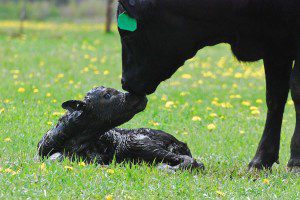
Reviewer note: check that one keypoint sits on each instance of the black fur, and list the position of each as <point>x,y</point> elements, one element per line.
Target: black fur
<point>87,132</point>
<point>172,31</point>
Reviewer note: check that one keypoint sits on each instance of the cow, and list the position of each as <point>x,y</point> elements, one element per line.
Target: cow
<point>169,32</point>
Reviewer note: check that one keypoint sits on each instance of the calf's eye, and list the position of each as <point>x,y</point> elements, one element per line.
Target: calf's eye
<point>107,96</point>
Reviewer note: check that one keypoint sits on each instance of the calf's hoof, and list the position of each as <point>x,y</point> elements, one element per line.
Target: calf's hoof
<point>191,163</point>
<point>294,165</point>
<point>56,157</point>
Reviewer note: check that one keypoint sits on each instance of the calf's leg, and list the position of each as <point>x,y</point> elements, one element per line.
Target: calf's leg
<point>277,72</point>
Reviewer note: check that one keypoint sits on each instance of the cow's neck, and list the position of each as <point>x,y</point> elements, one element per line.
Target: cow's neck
<point>222,17</point>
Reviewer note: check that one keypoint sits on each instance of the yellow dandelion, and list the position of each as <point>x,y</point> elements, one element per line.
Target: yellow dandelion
<point>60,75</point>
<point>208,108</point>
<point>109,197</point>
<point>68,168</point>
<point>185,133</point>
<point>255,112</point>
<point>96,72</point>
<point>259,101</point>
<point>2,110</point>
<point>199,101</point>
<point>7,139</point>
<point>110,171</point>
<point>183,94</point>
<point>164,97</point>
<point>169,104</point>
<point>48,94</point>
<point>238,75</point>
<point>200,82</point>
<point>54,100</point>
<point>213,115</point>
<point>21,90</point>
<point>86,69</point>
<point>253,108</point>
<point>82,164</point>
<point>49,123</point>
<point>106,72</point>
<point>196,118</point>
<point>186,76</point>
<point>220,193</point>
<point>266,181</point>
<point>35,90</point>
<point>43,166</point>
<point>246,103</point>
<point>211,127</point>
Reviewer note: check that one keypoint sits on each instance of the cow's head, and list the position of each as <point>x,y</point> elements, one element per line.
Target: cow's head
<point>163,40</point>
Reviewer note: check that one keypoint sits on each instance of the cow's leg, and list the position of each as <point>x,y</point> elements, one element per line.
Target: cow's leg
<point>277,72</point>
<point>294,162</point>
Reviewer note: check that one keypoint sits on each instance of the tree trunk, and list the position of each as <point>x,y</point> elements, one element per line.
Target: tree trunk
<point>109,10</point>
<point>23,17</point>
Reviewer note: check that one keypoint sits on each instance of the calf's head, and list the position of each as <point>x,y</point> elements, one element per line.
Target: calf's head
<point>106,108</point>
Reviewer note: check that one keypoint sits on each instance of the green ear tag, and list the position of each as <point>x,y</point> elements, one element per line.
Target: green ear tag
<point>127,23</point>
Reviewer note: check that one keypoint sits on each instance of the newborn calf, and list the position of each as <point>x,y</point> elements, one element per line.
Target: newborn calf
<point>87,132</point>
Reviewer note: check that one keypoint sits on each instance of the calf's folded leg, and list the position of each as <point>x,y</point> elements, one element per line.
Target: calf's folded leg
<point>151,151</point>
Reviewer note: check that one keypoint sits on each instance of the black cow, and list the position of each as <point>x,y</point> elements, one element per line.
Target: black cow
<point>171,31</point>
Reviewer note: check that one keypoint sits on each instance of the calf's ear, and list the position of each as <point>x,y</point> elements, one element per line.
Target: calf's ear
<point>74,105</point>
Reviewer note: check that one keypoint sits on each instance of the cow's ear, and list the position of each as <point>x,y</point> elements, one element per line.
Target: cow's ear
<point>137,9</point>
<point>74,105</point>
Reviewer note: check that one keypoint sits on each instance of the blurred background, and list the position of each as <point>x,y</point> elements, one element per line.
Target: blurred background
<point>76,11</point>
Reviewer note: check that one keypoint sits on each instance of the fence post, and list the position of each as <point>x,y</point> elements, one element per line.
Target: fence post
<point>23,17</point>
<point>109,10</point>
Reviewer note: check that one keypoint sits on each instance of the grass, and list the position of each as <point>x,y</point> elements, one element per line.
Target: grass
<point>50,65</point>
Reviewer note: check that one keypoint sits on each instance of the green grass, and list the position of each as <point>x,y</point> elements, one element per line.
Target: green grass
<point>83,57</point>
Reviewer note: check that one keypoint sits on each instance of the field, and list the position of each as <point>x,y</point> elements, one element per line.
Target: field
<point>213,103</point>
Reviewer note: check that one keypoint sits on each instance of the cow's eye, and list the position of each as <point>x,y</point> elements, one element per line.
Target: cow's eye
<point>107,96</point>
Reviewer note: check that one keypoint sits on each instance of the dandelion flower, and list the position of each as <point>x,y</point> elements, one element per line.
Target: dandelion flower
<point>211,127</point>
<point>196,118</point>
<point>246,103</point>
<point>169,104</point>
<point>106,72</point>
<point>68,168</point>
<point>21,90</point>
<point>35,90</point>
<point>43,166</point>
<point>7,139</point>
<point>220,193</point>
<point>186,76</point>
<point>110,171</point>
<point>109,197</point>
<point>255,112</point>
<point>48,94</point>
<point>81,164</point>
<point>266,181</point>
<point>259,101</point>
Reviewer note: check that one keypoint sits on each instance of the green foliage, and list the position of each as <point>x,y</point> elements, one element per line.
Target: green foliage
<point>46,67</point>
<point>51,10</point>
